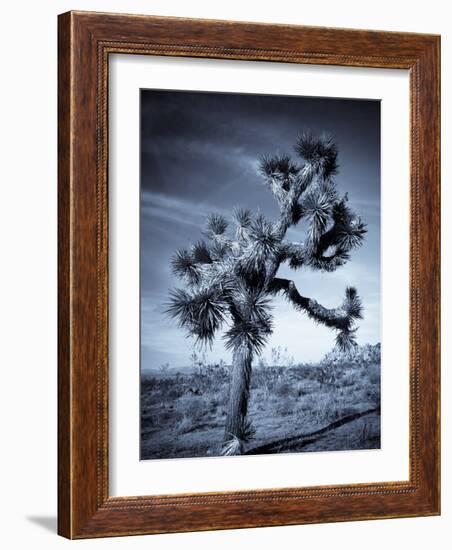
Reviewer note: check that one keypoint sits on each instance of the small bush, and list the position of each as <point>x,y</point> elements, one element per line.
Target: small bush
<point>374,373</point>
<point>284,408</point>
<point>283,389</point>
<point>174,392</point>
<point>349,379</point>
<point>373,395</point>
<point>196,408</point>
<point>325,374</point>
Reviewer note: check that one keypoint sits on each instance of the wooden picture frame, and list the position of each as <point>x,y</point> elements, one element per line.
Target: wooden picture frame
<point>85,42</point>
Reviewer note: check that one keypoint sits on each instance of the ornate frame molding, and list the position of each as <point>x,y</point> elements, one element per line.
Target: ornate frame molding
<point>85,42</point>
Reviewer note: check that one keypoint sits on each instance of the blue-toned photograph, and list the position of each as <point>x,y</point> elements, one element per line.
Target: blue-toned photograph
<point>259,274</point>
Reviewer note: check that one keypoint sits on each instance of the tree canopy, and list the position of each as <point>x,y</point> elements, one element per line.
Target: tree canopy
<point>231,274</point>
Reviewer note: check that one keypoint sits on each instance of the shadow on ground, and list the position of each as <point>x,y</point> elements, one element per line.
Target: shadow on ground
<point>49,523</point>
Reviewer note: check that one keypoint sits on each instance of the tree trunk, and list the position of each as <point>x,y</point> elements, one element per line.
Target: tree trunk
<point>239,393</point>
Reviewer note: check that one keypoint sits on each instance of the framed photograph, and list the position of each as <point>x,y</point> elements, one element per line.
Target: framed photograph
<point>249,261</point>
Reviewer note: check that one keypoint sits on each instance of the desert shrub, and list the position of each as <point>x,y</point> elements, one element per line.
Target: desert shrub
<point>325,374</point>
<point>308,402</point>
<point>283,389</point>
<point>359,396</point>
<point>174,392</point>
<point>284,408</point>
<point>196,408</point>
<point>265,379</point>
<point>348,379</point>
<point>300,389</point>
<point>373,373</point>
<point>306,372</point>
<point>323,407</point>
<point>373,395</point>
<point>302,416</point>
<point>311,406</point>
<point>148,383</point>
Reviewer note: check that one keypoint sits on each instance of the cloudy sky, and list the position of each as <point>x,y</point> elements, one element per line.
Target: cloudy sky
<point>199,154</point>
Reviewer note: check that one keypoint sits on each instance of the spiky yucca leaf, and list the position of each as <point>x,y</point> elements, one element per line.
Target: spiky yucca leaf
<point>318,205</point>
<point>320,152</point>
<point>264,235</point>
<point>346,340</point>
<point>232,447</point>
<point>242,216</point>
<point>201,253</point>
<point>346,232</point>
<point>263,244</point>
<point>352,303</point>
<point>219,251</point>
<point>245,334</point>
<point>209,314</point>
<point>341,212</point>
<point>351,235</point>
<point>295,212</point>
<point>253,304</point>
<point>296,253</point>
<point>180,307</point>
<point>200,313</point>
<point>220,275</point>
<point>277,166</point>
<point>247,430</point>
<point>329,263</point>
<point>280,175</point>
<point>184,265</point>
<point>307,146</point>
<point>216,224</point>
<point>243,219</point>
<point>296,261</point>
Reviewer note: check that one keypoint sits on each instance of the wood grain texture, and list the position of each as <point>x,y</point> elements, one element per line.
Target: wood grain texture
<point>64,295</point>
<point>85,42</point>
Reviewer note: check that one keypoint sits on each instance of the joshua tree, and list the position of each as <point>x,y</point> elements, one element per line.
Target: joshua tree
<point>231,280</point>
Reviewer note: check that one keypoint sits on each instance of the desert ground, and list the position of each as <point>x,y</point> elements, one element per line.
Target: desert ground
<point>330,406</point>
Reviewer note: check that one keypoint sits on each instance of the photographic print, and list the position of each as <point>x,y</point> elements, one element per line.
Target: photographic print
<point>259,274</point>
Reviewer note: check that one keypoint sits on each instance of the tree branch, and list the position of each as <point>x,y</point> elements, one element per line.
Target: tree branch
<point>294,253</point>
<point>340,318</point>
<point>347,231</point>
<point>299,255</point>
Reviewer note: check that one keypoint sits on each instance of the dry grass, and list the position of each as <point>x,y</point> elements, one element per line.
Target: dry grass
<point>183,415</point>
